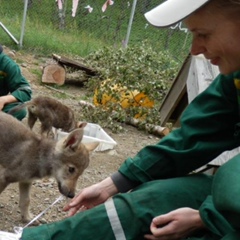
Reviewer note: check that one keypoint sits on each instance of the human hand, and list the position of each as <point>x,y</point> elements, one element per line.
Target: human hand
<point>2,103</point>
<point>91,196</point>
<point>6,99</point>
<point>176,224</point>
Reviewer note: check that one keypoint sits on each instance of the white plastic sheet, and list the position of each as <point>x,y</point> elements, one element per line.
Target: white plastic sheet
<point>9,236</point>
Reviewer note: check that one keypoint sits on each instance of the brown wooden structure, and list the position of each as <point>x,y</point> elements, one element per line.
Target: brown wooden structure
<point>74,64</point>
<point>176,99</point>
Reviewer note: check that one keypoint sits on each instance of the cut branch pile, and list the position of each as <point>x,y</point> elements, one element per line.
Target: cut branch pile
<point>150,128</point>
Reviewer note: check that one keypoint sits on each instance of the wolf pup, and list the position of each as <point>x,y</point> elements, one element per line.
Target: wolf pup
<point>25,156</point>
<point>50,112</point>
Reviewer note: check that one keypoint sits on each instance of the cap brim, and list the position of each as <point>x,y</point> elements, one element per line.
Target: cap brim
<point>172,11</point>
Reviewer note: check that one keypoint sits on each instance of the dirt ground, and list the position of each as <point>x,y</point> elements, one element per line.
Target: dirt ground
<point>102,164</point>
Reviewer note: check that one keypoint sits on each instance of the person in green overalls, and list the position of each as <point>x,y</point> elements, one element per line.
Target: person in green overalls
<point>14,88</point>
<point>156,195</point>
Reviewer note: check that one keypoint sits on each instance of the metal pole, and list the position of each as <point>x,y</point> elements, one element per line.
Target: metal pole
<point>130,23</point>
<point>6,30</point>
<point>24,21</point>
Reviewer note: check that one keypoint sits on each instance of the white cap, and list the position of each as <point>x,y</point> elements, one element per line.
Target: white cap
<point>172,11</point>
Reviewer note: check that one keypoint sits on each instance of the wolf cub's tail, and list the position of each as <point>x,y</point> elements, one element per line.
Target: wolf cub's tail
<point>18,108</point>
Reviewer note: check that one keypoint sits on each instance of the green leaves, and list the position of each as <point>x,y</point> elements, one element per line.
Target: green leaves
<point>139,68</point>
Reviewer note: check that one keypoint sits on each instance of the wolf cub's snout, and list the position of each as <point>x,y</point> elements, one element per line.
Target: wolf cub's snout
<point>34,157</point>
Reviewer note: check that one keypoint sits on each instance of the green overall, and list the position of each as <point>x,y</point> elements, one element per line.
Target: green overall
<point>12,82</point>
<point>209,126</point>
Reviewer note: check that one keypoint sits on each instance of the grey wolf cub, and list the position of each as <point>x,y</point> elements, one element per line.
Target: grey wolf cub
<point>50,112</point>
<point>25,156</point>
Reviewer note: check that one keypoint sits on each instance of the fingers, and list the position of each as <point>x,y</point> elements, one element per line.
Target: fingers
<point>78,204</point>
<point>75,202</point>
<point>72,211</point>
<point>160,228</point>
<point>162,219</point>
<point>159,224</point>
<point>70,205</point>
<point>74,205</point>
<point>149,237</point>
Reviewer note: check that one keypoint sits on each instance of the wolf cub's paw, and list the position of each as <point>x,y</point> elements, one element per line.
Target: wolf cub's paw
<point>28,218</point>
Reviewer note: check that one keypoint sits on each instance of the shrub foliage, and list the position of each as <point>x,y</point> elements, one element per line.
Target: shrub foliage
<point>126,70</point>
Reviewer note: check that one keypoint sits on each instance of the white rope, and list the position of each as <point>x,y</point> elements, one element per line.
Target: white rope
<point>19,230</point>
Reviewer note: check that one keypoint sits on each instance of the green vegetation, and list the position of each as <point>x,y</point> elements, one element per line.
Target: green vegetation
<point>125,73</point>
<point>49,30</point>
<point>148,65</point>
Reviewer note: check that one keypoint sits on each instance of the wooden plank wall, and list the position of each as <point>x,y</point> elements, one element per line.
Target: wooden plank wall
<point>176,99</point>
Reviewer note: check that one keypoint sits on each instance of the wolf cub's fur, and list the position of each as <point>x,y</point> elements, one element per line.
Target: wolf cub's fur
<point>25,156</point>
<point>50,112</point>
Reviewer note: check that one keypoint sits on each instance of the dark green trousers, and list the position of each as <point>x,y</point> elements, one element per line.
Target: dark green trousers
<point>135,211</point>
<point>128,216</point>
<point>19,114</point>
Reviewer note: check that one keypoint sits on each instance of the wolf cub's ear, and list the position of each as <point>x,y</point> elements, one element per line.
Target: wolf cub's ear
<point>81,124</point>
<point>73,139</point>
<point>91,146</point>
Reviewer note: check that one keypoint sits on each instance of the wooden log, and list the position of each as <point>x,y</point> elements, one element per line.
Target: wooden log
<point>54,73</point>
<point>71,63</point>
<point>150,128</point>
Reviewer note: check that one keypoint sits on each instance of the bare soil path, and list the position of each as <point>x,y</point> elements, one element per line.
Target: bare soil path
<point>102,164</point>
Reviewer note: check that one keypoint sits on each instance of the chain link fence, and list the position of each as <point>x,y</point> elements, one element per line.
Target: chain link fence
<point>118,23</point>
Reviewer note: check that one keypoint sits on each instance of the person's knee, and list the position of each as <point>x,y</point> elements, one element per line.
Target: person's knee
<point>232,236</point>
<point>19,114</point>
<point>226,191</point>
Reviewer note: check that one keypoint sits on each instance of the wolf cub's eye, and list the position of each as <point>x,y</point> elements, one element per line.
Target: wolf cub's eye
<point>71,169</point>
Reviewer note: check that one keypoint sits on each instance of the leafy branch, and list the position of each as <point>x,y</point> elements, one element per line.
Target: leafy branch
<point>123,74</point>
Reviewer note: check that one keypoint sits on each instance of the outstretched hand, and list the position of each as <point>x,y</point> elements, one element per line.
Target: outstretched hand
<point>91,196</point>
<point>1,103</point>
<point>176,224</point>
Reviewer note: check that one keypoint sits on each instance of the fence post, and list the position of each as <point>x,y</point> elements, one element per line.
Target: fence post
<point>23,22</point>
<point>130,23</point>
<point>10,35</point>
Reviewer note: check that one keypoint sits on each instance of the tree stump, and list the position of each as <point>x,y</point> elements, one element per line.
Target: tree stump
<point>54,73</point>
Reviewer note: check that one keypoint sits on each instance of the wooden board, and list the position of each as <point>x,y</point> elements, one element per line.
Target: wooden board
<point>176,99</point>
<point>71,63</point>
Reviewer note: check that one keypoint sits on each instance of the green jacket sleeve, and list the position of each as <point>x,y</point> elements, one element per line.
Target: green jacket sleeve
<point>12,80</point>
<point>209,126</point>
